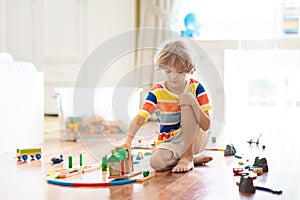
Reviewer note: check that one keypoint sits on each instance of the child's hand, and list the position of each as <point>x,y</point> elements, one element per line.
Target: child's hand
<point>126,145</point>
<point>187,99</point>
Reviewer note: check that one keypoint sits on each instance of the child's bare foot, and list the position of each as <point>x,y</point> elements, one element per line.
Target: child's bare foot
<point>200,160</point>
<point>183,165</point>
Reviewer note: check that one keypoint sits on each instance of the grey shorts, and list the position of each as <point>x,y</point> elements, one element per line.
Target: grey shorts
<point>177,146</point>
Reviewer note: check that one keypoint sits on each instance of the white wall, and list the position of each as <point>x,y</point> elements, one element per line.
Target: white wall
<point>57,36</point>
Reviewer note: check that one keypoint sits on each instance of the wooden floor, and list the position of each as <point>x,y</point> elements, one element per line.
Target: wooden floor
<point>27,180</point>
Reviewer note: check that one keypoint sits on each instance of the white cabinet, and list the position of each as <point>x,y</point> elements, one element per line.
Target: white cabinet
<point>22,110</point>
<point>58,35</point>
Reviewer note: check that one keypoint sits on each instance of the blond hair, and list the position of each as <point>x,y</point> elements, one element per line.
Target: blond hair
<point>175,54</point>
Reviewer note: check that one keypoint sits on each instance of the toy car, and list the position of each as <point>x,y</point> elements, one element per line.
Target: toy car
<point>56,160</point>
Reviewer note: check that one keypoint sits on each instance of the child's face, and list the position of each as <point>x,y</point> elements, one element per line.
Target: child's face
<point>175,78</point>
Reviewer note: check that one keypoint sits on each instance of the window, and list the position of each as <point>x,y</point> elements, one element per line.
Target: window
<point>242,19</point>
<point>262,89</point>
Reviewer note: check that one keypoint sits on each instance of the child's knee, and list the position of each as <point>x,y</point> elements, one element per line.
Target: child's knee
<point>161,160</point>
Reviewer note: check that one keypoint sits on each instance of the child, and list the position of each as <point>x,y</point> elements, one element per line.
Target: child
<point>182,106</point>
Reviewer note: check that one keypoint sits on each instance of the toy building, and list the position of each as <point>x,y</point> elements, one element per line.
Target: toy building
<point>120,163</point>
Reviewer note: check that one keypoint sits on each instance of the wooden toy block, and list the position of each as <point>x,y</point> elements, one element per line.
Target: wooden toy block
<point>66,173</point>
<point>90,168</point>
<point>241,172</point>
<point>140,178</point>
<point>125,176</point>
<point>258,170</point>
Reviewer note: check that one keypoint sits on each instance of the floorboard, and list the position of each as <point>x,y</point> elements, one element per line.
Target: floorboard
<point>27,180</point>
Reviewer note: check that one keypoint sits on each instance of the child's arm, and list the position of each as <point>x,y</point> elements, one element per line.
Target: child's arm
<point>134,126</point>
<point>187,99</point>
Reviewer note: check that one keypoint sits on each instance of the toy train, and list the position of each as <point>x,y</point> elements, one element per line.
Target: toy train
<point>33,152</point>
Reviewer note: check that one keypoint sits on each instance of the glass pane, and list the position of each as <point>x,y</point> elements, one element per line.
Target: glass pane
<point>261,87</point>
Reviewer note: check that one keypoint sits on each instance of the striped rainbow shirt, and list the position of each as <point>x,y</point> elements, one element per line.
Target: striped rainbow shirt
<point>164,103</point>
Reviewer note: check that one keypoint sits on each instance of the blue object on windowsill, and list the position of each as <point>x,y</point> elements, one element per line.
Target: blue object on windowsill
<point>192,25</point>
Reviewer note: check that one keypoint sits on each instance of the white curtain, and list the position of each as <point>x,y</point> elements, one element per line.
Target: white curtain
<point>157,22</point>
